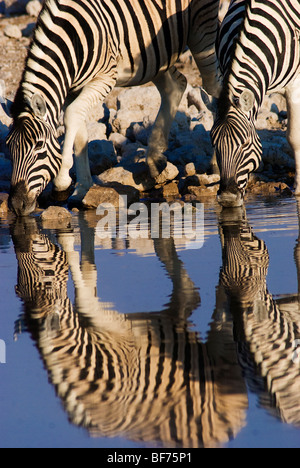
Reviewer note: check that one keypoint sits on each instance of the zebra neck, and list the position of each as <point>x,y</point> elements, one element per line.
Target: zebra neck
<point>265,57</point>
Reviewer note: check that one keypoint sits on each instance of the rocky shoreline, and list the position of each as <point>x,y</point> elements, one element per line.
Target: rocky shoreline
<point>119,132</point>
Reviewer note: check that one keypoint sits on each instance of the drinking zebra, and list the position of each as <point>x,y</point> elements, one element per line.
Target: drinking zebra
<point>259,52</point>
<point>80,50</point>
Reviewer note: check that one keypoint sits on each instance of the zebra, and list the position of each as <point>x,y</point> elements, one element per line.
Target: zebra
<point>143,376</point>
<point>82,49</point>
<point>258,48</point>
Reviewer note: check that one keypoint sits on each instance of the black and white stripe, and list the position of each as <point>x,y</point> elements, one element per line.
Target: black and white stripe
<point>266,328</point>
<point>259,52</point>
<point>141,376</point>
<point>80,50</point>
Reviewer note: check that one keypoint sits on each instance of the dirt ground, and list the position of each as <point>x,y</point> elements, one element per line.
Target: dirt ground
<point>13,53</point>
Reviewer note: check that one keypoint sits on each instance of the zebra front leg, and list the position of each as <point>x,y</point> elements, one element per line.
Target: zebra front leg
<point>171,86</point>
<point>76,135</point>
<point>293,134</point>
<point>84,178</point>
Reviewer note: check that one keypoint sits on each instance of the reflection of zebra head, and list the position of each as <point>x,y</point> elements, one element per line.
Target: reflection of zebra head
<point>245,260</point>
<point>266,329</point>
<point>35,154</point>
<point>42,274</point>
<point>238,148</point>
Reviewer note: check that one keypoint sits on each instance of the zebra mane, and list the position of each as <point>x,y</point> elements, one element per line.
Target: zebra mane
<point>23,95</point>
<point>225,101</point>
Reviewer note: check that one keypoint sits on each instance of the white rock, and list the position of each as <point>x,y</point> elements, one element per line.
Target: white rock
<point>190,169</point>
<point>126,177</point>
<point>96,131</point>
<point>33,8</point>
<point>118,140</point>
<point>143,100</point>
<point>13,31</point>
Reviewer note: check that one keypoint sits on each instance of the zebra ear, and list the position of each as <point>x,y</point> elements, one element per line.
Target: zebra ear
<point>246,101</point>
<point>38,105</point>
<point>5,103</point>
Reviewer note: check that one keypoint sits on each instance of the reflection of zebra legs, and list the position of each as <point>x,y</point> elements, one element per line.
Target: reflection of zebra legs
<point>184,299</point>
<point>142,376</point>
<point>297,251</point>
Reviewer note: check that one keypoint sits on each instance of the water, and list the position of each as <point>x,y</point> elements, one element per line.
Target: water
<point>138,343</point>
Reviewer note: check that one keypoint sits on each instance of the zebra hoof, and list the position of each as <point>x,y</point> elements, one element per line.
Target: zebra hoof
<point>156,165</point>
<point>79,194</point>
<point>63,195</point>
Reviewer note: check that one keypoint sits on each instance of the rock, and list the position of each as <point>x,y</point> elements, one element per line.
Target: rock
<point>102,156</point>
<point>140,132</point>
<point>97,131</point>
<point>4,130</point>
<point>33,8</point>
<point>266,119</point>
<point>190,169</point>
<point>13,31</point>
<point>145,101</point>
<point>98,195</point>
<point>55,212</point>
<point>203,191</point>
<point>168,174</point>
<point>277,152</point>
<point>170,190</point>
<point>269,188</point>
<point>208,179</point>
<point>118,140</point>
<point>56,217</point>
<point>136,176</point>
<point>3,204</point>
<point>133,152</point>
<point>14,7</point>
<point>136,105</point>
<point>274,102</point>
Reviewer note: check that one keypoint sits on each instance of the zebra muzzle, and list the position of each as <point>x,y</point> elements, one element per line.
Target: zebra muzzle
<point>21,201</point>
<point>230,195</point>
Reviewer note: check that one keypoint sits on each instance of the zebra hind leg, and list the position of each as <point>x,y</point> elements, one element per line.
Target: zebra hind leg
<point>293,135</point>
<point>171,86</point>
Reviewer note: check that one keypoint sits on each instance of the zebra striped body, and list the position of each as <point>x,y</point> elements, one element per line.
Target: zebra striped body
<point>259,53</point>
<point>80,50</point>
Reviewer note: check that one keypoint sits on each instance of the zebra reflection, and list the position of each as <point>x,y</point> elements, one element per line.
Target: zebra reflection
<point>145,376</point>
<point>266,329</point>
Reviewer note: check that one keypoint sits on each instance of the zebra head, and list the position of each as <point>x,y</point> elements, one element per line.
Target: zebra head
<point>238,147</point>
<point>35,154</point>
